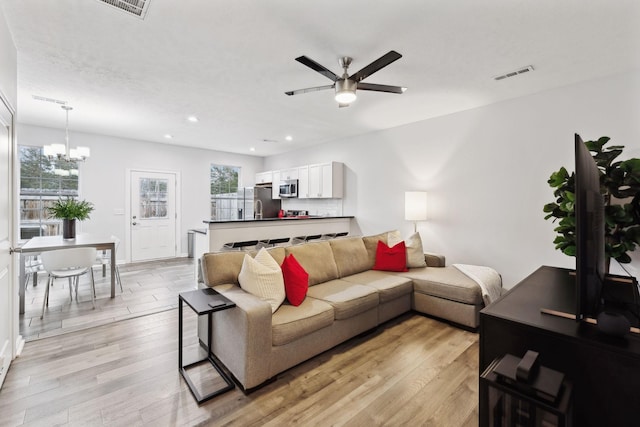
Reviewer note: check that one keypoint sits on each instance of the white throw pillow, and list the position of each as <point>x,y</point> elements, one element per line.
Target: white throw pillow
<point>415,254</point>
<point>261,276</point>
<point>413,243</point>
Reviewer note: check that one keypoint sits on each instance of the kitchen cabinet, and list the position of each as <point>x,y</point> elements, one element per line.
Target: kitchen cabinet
<point>264,177</point>
<point>326,180</point>
<point>289,173</point>
<point>303,182</point>
<point>275,189</point>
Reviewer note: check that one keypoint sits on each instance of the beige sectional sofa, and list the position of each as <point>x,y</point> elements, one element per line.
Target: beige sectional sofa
<point>345,298</point>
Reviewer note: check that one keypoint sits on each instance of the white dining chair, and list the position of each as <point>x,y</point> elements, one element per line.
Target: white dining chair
<point>104,259</point>
<point>32,267</point>
<point>70,264</point>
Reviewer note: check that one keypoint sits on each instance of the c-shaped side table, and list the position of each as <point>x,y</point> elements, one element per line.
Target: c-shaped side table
<point>203,301</point>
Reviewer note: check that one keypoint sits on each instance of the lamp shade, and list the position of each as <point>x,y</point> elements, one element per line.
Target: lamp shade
<point>415,205</point>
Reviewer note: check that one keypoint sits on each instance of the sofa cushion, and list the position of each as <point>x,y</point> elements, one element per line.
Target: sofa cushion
<point>221,268</point>
<point>347,299</point>
<point>262,277</point>
<point>445,282</point>
<point>296,280</point>
<point>389,286</point>
<point>391,258</point>
<point>317,260</point>
<point>371,243</point>
<point>290,323</point>
<point>413,243</point>
<point>350,255</point>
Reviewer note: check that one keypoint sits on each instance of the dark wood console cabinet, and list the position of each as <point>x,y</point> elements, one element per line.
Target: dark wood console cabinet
<point>605,371</point>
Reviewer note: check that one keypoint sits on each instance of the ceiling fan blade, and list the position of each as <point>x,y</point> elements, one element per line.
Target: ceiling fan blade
<point>380,88</point>
<point>317,67</point>
<point>309,89</point>
<point>376,65</point>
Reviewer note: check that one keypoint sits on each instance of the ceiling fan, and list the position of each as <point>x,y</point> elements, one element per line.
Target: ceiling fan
<point>345,86</point>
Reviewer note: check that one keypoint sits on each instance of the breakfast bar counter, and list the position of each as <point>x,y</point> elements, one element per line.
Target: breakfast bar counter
<point>223,232</point>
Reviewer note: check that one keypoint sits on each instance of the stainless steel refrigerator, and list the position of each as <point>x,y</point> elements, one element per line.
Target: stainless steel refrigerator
<point>250,198</point>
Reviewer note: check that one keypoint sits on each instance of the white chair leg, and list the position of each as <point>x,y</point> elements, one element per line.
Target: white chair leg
<point>118,278</point>
<point>93,289</point>
<point>46,297</point>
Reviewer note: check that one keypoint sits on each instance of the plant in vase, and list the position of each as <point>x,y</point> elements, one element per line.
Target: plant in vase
<point>620,187</point>
<point>69,210</point>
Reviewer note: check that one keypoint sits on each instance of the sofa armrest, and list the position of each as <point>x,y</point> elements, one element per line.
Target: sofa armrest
<point>434,260</point>
<point>242,336</point>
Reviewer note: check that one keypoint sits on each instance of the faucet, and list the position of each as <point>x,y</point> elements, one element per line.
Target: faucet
<point>257,209</point>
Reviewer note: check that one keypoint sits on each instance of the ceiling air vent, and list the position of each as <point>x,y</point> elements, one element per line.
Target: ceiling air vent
<point>133,7</point>
<point>514,73</point>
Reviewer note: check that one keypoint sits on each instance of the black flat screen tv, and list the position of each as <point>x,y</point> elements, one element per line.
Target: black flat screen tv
<point>589,235</point>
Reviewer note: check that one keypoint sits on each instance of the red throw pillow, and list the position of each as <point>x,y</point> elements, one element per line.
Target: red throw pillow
<point>390,259</point>
<point>296,280</point>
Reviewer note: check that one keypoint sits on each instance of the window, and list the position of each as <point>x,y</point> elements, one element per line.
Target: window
<point>224,192</point>
<point>153,198</point>
<point>42,182</point>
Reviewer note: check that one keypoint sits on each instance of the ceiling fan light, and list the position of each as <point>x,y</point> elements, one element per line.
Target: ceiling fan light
<point>345,91</point>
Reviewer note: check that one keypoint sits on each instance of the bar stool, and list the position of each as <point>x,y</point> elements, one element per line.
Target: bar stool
<point>246,245</point>
<point>304,239</point>
<point>334,235</point>
<point>272,242</point>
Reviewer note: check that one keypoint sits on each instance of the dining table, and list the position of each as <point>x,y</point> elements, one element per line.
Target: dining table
<point>41,244</point>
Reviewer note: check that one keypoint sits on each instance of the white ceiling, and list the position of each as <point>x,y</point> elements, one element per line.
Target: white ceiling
<point>230,62</point>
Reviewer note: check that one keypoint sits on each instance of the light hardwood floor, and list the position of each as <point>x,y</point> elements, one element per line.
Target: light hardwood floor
<point>411,371</point>
<point>148,287</point>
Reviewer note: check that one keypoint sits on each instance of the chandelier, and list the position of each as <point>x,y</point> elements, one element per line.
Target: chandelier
<point>62,152</point>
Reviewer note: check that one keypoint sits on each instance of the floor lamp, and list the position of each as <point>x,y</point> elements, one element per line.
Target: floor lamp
<point>415,207</point>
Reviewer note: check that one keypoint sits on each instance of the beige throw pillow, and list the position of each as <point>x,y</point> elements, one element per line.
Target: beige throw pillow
<point>413,243</point>
<point>415,253</point>
<point>261,276</point>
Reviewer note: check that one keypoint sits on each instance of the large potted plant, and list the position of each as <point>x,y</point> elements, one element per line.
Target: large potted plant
<point>620,187</point>
<point>69,210</point>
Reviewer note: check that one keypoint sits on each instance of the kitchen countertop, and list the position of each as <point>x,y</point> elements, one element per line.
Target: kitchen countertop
<point>286,218</point>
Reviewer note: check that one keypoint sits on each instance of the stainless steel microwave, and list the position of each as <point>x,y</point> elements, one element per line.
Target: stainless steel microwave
<point>288,188</point>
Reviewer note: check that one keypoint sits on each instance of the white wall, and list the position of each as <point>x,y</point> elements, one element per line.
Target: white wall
<point>103,176</point>
<point>8,65</point>
<point>485,170</point>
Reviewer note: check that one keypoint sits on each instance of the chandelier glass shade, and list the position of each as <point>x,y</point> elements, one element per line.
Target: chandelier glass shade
<point>63,151</point>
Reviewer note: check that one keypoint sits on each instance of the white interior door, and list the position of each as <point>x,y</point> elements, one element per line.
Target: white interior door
<point>7,303</point>
<point>153,215</point>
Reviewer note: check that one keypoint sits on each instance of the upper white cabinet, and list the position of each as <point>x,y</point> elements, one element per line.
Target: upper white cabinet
<point>318,181</point>
<point>264,177</point>
<point>326,180</point>
<point>303,182</point>
<point>275,189</point>
<point>289,173</point>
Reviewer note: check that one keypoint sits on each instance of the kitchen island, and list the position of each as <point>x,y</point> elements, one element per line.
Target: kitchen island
<point>223,232</point>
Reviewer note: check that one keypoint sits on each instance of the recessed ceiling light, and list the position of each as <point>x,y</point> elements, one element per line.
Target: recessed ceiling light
<point>288,138</point>
<point>252,149</point>
<point>193,119</point>
<point>168,136</point>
